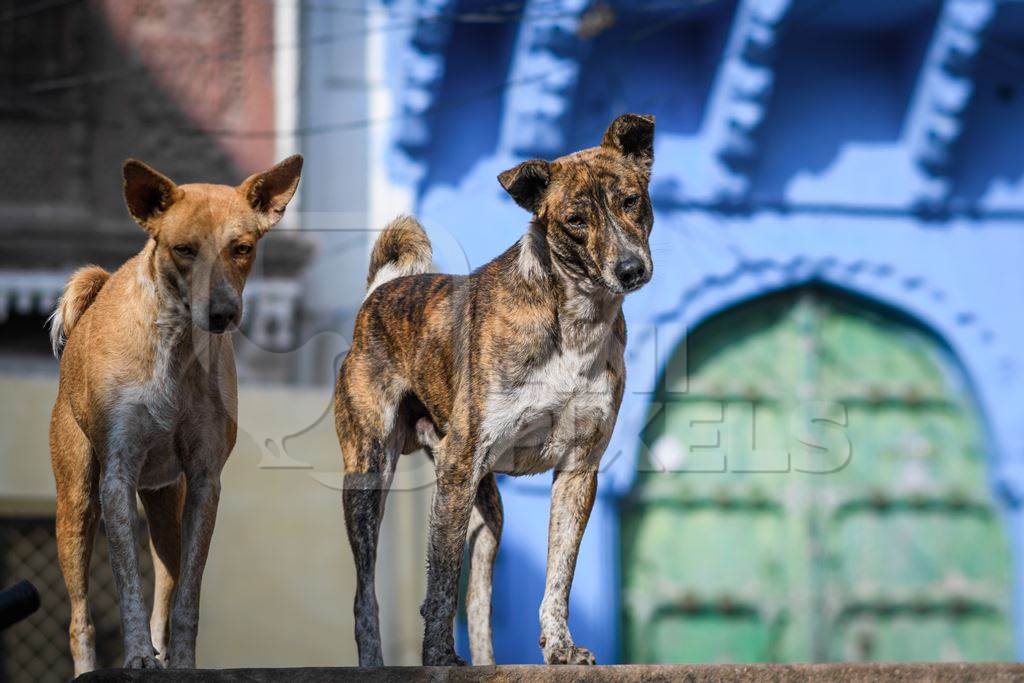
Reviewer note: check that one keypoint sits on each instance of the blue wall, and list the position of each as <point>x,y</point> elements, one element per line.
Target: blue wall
<point>876,146</point>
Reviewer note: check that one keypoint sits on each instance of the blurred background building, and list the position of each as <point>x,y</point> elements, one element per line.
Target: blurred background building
<point>821,451</point>
<point>199,90</point>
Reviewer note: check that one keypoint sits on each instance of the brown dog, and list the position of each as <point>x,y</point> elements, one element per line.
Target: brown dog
<point>516,368</point>
<point>147,400</point>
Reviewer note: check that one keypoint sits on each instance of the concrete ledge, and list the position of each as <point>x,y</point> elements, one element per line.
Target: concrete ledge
<point>694,673</point>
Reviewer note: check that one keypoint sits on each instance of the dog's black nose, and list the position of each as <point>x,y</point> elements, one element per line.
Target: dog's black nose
<point>630,272</point>
<point>221,317</point>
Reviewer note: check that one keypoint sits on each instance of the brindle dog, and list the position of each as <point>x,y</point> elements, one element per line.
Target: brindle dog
<point>516,368</point>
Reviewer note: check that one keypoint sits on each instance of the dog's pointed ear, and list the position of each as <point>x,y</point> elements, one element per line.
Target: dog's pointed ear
<point>527,182</point>
<point>269,192</point>
<point>147,192</point>
<point>632,135</point>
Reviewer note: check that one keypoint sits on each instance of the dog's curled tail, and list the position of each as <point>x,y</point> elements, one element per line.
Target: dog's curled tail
<point>79,293</point>
<point>402,249</point>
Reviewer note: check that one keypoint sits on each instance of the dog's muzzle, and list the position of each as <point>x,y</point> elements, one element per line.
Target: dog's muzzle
<point>223,316</point>
<point>631,273</point>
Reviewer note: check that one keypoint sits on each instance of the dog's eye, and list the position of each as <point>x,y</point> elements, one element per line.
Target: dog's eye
<point>243,249</point>
<point>575,220</point>
<point>631,202</point>
<point>185,250</point>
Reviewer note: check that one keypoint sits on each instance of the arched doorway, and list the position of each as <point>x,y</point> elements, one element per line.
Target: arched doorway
<point>814,490</point>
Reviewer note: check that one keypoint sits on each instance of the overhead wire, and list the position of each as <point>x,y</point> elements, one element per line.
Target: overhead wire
<point>687,8</point>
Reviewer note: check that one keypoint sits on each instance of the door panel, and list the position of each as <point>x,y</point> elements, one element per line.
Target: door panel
<point>814,490</point>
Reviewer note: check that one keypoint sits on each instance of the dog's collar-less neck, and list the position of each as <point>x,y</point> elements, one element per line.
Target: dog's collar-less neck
<point>168,311</point>
<point>582,305</point>
<point>579,301</point>
<point>582,308</point>
<point>176,341</point>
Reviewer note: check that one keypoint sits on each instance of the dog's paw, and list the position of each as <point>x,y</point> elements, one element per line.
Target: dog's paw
<point>181,661</point>
<point>142,661</point>
<point>446,657</point>
<point>569,654</point>
<point>370,661</point>
<point>449,660</point>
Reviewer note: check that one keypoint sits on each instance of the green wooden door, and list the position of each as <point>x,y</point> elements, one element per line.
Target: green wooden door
<point>814,490</point>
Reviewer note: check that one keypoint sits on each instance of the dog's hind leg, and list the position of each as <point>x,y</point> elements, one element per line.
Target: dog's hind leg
<point>449,524</point>
<point>483,538</point>
<point>78,513</point>
<point>368,477</point>
<point>163,514</point>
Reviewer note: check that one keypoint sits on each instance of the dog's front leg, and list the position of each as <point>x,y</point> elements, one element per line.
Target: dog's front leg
<point>198,518</point>
<point>118,483</point>
<point>572,498</point>
<point>449,522</point>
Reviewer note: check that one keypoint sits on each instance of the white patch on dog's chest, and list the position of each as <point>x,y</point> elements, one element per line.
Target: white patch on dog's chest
<point>143,427</point>
<point>572,388</point>
<point>149,413</point>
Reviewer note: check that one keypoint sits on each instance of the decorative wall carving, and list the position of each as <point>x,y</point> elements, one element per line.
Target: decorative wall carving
<point>741,95</point>
<point>543,79</point>
<point>423,65</point>
<point>945,90</point>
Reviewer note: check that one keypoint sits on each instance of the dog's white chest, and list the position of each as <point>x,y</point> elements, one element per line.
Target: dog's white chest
<point>571,391</point>
<point>153,417</point>
<point>142,427</point>
<point>552,386</point>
